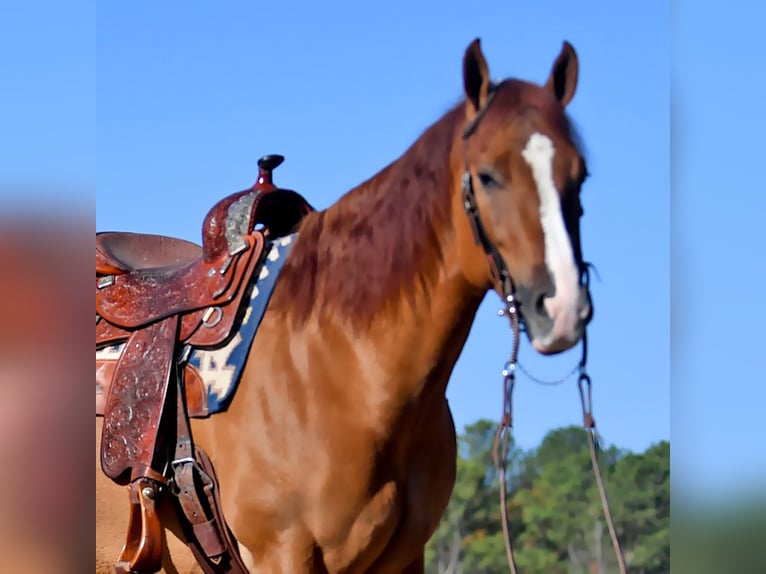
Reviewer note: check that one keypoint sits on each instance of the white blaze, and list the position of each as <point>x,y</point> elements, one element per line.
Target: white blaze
<point>559,256</point>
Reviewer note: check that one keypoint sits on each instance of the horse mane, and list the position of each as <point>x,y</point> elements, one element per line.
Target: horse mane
<point>360,255</point>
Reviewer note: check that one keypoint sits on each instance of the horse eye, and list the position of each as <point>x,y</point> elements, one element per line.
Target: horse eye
<point>488,180</point>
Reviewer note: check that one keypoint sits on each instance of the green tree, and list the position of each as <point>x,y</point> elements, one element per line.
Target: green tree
<point>562,532</point>
<point>469,537</point>
<point>556,517</point>
<point>640,499</point>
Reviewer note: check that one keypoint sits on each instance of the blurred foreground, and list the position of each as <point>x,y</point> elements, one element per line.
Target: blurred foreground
<point>46,486</point>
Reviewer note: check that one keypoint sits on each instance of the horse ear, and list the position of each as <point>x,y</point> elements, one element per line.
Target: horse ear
<point>563,79</point>
<point>476,80</point>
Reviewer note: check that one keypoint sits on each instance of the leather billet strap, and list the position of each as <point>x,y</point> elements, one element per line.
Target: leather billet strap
<point>196,487</point>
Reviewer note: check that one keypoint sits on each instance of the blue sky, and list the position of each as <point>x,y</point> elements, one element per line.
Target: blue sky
<point>47,96</point>
<point>189,97</point>
<point>718,238</point>
<point>164,108</point>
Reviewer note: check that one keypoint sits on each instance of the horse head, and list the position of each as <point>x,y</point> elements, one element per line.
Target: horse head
<point>523,171</point>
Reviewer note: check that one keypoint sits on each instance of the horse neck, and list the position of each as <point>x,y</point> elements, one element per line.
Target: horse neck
<point>420,277</point>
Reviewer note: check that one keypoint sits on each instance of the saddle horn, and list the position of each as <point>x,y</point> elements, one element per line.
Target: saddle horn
<point>266,165</point>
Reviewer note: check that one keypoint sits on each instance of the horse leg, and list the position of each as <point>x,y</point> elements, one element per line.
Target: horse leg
<point>417,566</point>
<point>370,533</point>
<point>291,551</point>
<point>429,485</point>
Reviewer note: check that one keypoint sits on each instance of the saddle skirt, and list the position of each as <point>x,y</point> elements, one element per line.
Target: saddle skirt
<point>211,376</point>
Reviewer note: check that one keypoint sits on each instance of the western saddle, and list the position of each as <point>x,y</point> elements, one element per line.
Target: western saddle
<point>162,296</point>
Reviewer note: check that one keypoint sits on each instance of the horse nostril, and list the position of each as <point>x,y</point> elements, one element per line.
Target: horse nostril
<point>540,305</point>
<point>586,307</point>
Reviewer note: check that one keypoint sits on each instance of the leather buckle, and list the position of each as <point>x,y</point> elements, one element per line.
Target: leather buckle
<point>195,465</point>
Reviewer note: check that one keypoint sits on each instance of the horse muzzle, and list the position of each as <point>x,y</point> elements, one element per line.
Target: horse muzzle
<point>556,322</point>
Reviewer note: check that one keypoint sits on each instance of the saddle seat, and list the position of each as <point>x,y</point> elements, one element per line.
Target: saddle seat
<point>123,252</point>
<point>154,284</point>
<point>142,278</point>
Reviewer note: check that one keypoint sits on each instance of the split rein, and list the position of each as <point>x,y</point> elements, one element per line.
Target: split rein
<point>502,435</point>
<point>502,278</point>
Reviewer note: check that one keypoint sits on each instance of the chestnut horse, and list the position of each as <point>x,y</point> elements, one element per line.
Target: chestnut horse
<point>338,452</point>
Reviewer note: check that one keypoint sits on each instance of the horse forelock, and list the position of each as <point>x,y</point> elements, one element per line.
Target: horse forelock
<point>515,97</point>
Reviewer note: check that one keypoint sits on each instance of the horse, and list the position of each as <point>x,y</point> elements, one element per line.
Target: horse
<point>338,452</point>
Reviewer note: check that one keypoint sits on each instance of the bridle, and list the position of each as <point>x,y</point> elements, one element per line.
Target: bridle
<point>503,282</point>
<point>501,276</point>
<point>498,268</point>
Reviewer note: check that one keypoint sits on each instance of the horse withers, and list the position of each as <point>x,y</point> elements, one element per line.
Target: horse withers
<point>338,451</point>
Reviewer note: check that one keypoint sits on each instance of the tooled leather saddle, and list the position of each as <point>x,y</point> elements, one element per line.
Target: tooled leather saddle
<point>160,297</point>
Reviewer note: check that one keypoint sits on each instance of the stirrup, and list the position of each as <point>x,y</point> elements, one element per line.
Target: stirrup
<point>143,545</point>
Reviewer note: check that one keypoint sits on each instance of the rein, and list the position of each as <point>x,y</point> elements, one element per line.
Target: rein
<point>502,279</point>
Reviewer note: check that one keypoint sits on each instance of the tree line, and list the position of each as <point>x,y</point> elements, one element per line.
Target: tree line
<point>556,521</point>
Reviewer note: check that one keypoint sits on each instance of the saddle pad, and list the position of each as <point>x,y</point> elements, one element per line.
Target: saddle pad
<point>221,369</point>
